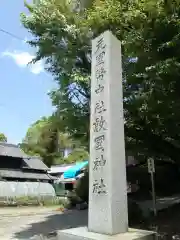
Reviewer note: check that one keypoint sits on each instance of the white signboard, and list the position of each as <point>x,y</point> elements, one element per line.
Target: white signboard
<point>151,167</point>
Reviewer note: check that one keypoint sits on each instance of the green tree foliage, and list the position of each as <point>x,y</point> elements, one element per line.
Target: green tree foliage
<point>3,138</point>
<point>44,139</point>
<point>78,154</point>
<point>82,187</point>
<point>149,31</point>
<point>63,49</point>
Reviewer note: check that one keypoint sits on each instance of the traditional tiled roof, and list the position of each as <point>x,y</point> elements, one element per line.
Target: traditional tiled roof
<point>35,163</point>
<point>59,168</point>
<point>11,150</point>
<point>7,173</point>
<point>31,162</point>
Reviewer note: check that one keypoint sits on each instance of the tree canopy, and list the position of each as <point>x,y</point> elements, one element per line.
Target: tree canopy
<point>44,139</point>
<point>78,154</point>
<point>3,138</point>
<point>149,32</point>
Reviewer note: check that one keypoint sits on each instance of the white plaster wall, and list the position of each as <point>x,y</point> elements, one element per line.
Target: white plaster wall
<point>19,189</point>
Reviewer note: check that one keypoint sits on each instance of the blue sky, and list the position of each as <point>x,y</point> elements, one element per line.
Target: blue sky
<point>23,89</point>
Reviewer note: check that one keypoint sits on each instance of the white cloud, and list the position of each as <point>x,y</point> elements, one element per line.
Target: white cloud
<point>23,58</point>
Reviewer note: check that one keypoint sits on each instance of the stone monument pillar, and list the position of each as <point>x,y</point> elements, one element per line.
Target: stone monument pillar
<point>108,213</point>
<point>108,188</point>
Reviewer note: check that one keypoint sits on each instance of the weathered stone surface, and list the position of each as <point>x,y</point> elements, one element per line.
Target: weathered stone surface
<point>108,189</point>
<point>84,234</point>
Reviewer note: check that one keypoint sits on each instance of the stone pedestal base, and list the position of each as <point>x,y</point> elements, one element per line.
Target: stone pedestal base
<point>82,233</point>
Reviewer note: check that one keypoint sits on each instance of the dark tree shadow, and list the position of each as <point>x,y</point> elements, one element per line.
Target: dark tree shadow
<point>69,219</point>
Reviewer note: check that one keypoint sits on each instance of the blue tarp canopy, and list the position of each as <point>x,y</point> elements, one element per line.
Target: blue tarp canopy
<point>72,172</point>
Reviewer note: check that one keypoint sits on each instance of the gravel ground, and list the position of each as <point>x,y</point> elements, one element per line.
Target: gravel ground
<point>13,221</point>
<point>24,223</point>
<point>9,226</point>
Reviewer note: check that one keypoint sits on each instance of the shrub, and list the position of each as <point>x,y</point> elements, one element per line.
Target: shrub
<point>135,214</point>
<point>82,187</point>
